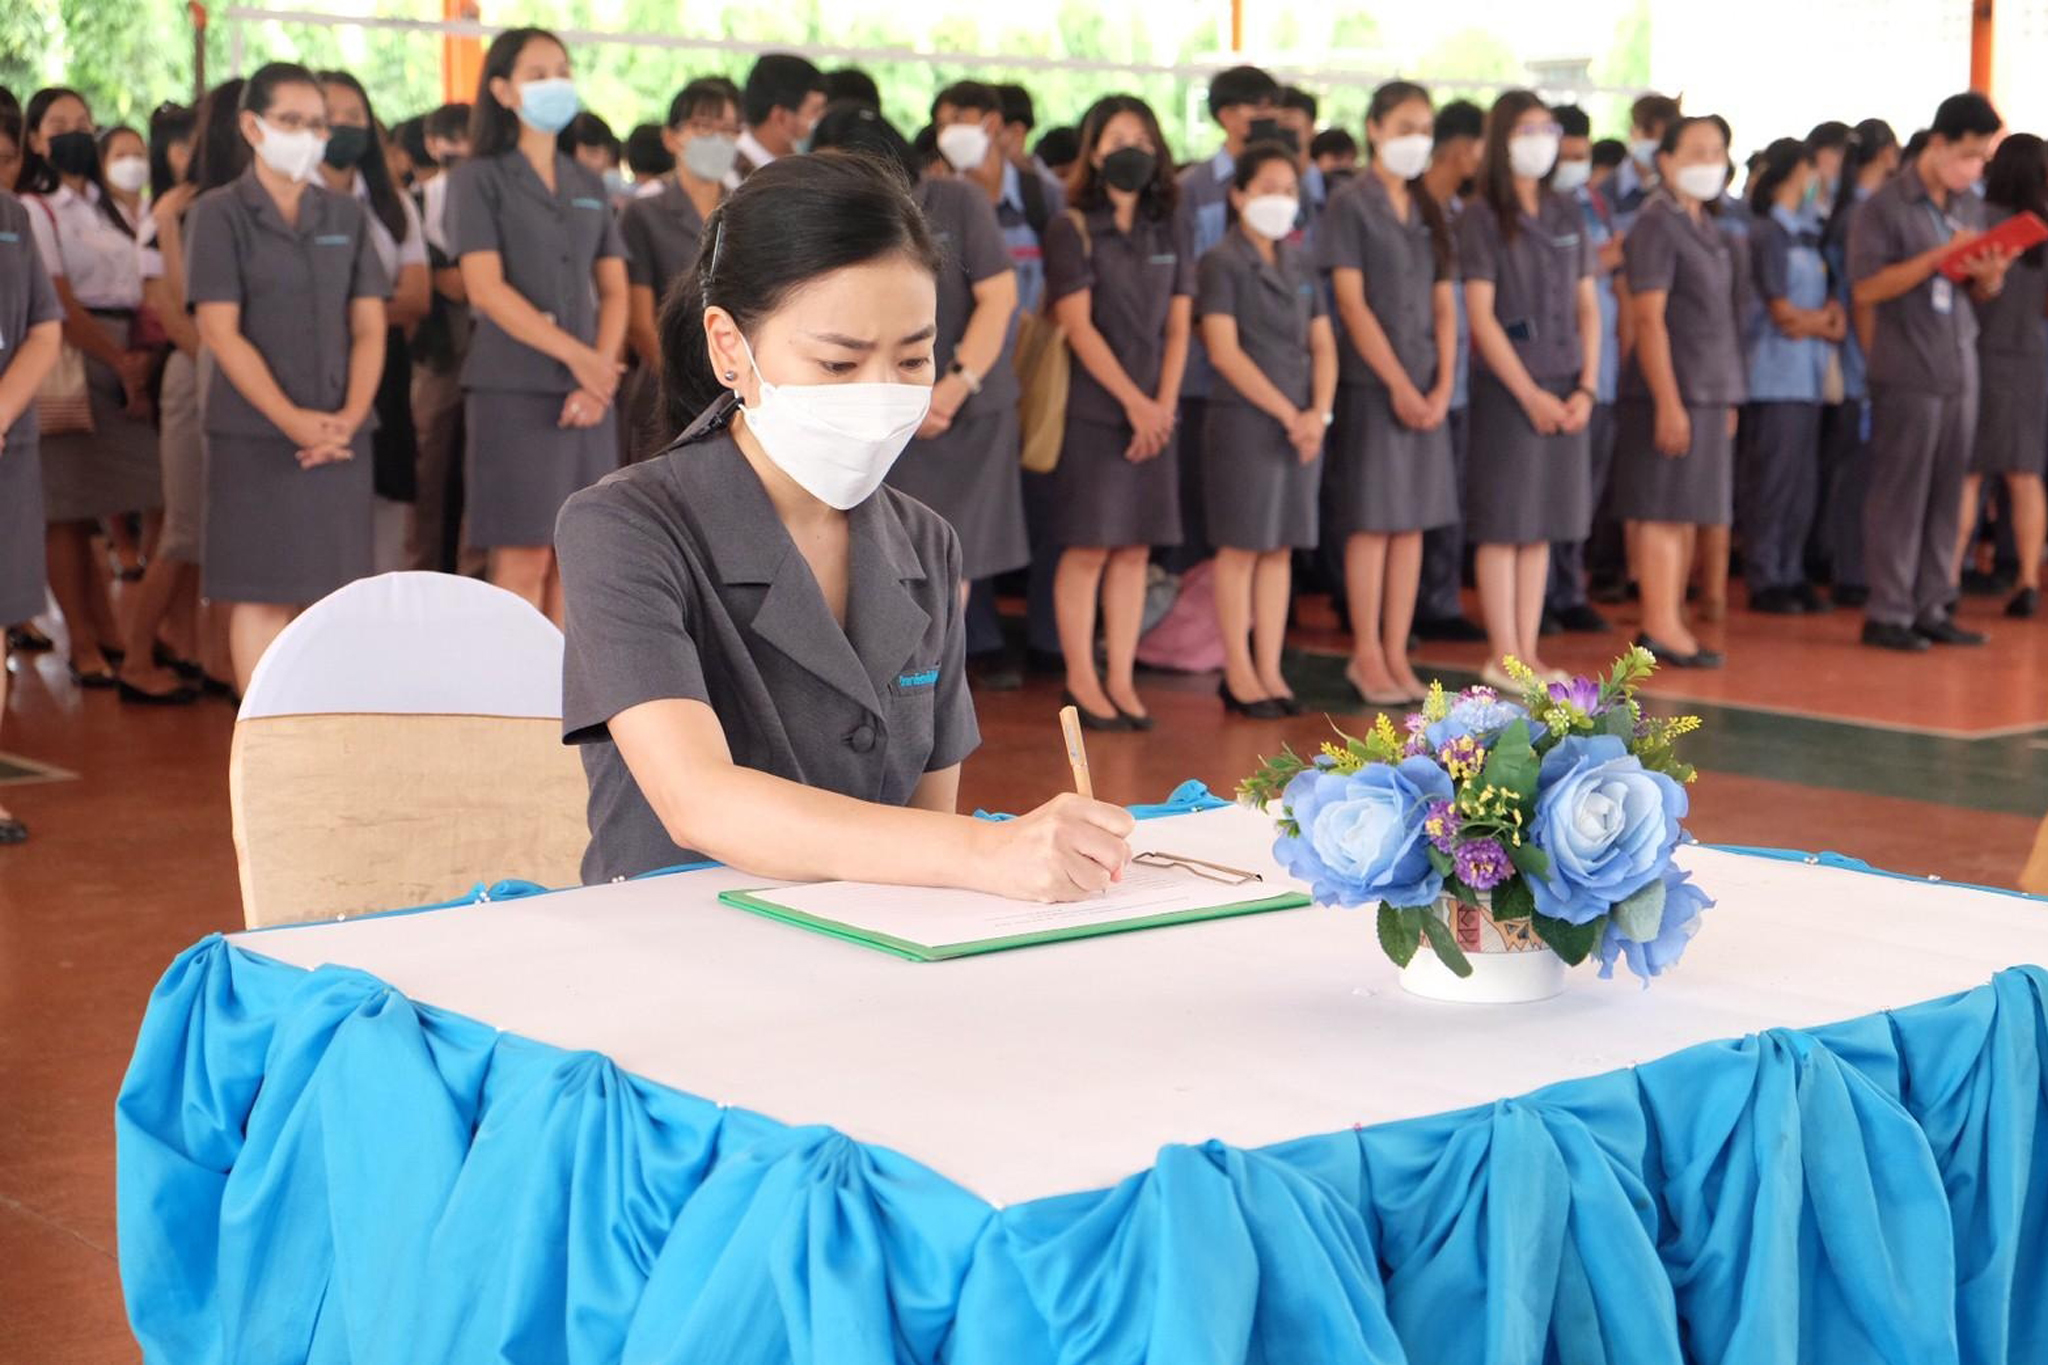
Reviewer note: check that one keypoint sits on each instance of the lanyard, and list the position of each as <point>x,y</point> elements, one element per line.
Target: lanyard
<point>1947,226</point>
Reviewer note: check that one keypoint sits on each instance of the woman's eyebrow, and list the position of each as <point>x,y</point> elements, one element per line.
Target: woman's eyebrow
<point>925,333</point>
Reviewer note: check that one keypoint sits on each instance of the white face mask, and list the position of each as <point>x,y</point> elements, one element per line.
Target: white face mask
<point>964,145</point>
<point>1571,175</point>
<point>837,441</point>
<point>1703,183</point>
<point>1272,216</point>
<point>1406,157</point>
<point>292,155</point>
<point>1644,150</point>
<point>709,156</point>
<point>128,174</point>
<point>1531,155</point>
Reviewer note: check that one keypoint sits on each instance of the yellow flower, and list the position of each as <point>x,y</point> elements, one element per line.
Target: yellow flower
<point>1437,705</point>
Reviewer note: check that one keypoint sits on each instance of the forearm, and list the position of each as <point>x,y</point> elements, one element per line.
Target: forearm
<point>33,357</point>
<point>412,299</point>
<point>519,319</point>
<point>1894,281</point>
<point>84,331</point>
<point>1653,355</point>
<point>1499,354</point>
<point>1446,340</point>
<point>167,302</point>
<point>1173,367</point>
<point>365,371</point>
<point>611,321</point>
<point>1243,374</point>
<point>1101,363</point>
<point>1589,339</point>
<point>1362,329</point>
<point>981,345</point>
<point>640,325</point>
<point>1323,370</point>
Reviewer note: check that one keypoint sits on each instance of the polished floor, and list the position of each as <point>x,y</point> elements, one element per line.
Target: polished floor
<point>1933,765</point>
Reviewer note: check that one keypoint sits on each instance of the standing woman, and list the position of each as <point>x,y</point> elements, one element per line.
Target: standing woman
<point>544,270</point>
<point>1268,336</point>
<point>1120,271</point>
<point>289,294</point>
<point>1388,248</point>
<point>1793,331</point>
<point>89,249</point>
<point>2012,355</point>
<point>355,165</point>
<point>1535,315</point>
<point>661,233</point>
<point>1674,444</point>
<point>31,324</point>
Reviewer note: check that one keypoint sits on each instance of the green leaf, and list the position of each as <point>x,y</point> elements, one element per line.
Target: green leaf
<point>1572,942</point>
<point>1512,766</point>
<point>1446,944</point>
<point>1641,916</point>
<point>1529,860</point>
<point>1618,721</point>
<point>1513,899</point>
<point>1460,892</point>
<point>1400,933</point>
<point>1441,861</point>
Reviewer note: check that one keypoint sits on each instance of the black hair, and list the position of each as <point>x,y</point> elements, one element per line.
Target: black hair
<point>386,199</point>
<point>10,103</point>
<point>1966,115</point>
<point>1496,170</point>
<point>1459,118</point>
<point>10,129</point>
<point>220,153</point>
<point>1085,191</point>
<point>1257,156</point>
<point>789,223</point>
<point>854,127</point>
<point>410,136</point>
<point>646,155</point>
<point>1572,121</point>
<point>260,91</point>
<point>1017,106</point>
<point>169,124</point>
<point>1609,152</point>
<point>924,149</point>
<point>1059,146</point>
<point>1868,141</point>
<point>851,83</point>
<point>587,130</point>
<point>2017,179</point>
<point>1829,136</point>
<point>1294,97</point>
<point>1915,145</point>
<point>1779,161</point>
<point>1240,85</point>
<point>1391,96</point>
<point>970,95</point>
<point>38,176</point>
<point>493,128</point>
<point>448,122</point>
<point>1652,112</point>
<point>779,80</point>
<point>705,95</point>
<point>1332,142</point>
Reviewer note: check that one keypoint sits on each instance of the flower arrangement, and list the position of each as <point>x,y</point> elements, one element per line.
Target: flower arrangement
<point>1555,813</point>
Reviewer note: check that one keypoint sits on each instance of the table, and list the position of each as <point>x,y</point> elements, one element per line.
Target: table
<point>626,1122</point>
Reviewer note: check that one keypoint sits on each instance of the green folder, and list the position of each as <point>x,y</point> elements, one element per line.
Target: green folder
<point>761,903</point>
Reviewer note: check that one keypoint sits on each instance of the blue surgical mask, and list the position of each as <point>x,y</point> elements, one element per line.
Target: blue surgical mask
<point>615,182</point>
<point>547,106</point>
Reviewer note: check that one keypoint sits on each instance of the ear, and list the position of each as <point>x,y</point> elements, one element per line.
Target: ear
<point>672,142</point>
<point>504,92</point>
<point>728,353</point>
<point>247,121</point>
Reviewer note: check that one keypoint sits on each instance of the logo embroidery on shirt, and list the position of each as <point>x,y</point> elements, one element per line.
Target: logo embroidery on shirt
<point>1166,258</point>
<point>597,204</point>
<point>927,678</point>
<point>11,237</point>
<point>331,239</point>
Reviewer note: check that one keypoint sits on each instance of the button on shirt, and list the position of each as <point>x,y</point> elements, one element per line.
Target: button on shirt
<point>1691,264</point>
<point>963,225</point>
<point>27,299</point>
<point>79,243</point>
<point>548,241</point>
<point>682,583</point>
<point>1535,277</point>
<point>1274,304</point>
<point>1133,281</point>
<point>1398,258</point>
<point>1205,210</point>
<point>1918,344</point>
<point>661,233</point>
<point>293,284</point>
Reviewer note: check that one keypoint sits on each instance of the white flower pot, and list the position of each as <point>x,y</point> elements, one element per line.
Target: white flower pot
<point>1510,965</point>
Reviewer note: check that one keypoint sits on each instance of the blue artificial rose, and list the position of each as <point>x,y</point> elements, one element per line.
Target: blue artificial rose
<point>1361,839</point>
<point>1607,823</point>
<point>1482,717</point>
<point>1683,903</point>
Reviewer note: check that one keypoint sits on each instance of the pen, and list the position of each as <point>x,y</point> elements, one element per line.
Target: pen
<point>1077,752</point>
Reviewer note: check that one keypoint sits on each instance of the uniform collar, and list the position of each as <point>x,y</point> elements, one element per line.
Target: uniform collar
<point>751,148</point>
<point>1012,191</point>
<point>312,204</point>
<point>64,195</point>
<point>1248,251</point>
<point>1222,165</point>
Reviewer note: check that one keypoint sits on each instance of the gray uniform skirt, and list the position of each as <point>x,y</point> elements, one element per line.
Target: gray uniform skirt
<point>522,466</point>
<point>1258,495</point>
<point>1387,478</point>
<point>1693,489</point>
<point>971,477</point>
<point>112,469</point>
<point>1099,498</point>
<point>183,458</point>
<point>2012,418</point>
<point>21,531</point>
<point>1522,488</point>
<point>281,534</point>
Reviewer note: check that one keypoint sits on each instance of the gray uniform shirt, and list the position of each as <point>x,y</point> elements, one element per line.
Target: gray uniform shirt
<point>1926,338</point>
<point>1359,231</point>
<point>1694,265</point>
<point>660,234</point>
<point>549,242</point>
<point>1274,306</point>
<point>963,223</point>
<point>1535,277</point>
<point>2011,324</point>
<point>681,582</point>
<point>293,283</point>
<point>27,298</point>
<point>1133,281</point>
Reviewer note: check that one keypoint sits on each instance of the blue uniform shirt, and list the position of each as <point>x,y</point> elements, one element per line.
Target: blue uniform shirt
<point>1205,209</point>
<point>1600,232</point>
<point>1787,263</point>
<point>1027,253</point>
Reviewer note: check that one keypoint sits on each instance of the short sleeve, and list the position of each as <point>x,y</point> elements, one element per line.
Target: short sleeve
<point>43,303</point>
<point>213,270</point>
<point>955,732</point>
<point>1770,257</point>
<point>639,239</point>
<point>471,221</point>
<point>149,256</point>
<point>1216,284</point>
<point>1068,269</point>
<point>44,228</point>
<point>1184,257</point>
<point>1340,237</point>
<point>627,613</point>
<point>1055,193</point>
<point>413,250</point>
<point>1478,244</point>
<point>1650,254</point>
<point>611,246</point>
<point>368,280</point>
<point>1871,245</point>
<point>1589,250</point>
<point>983,252</point>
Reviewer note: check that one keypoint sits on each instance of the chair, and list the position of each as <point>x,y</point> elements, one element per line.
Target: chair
<point>400,742</point>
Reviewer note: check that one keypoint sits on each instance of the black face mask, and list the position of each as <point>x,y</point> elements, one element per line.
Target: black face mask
<point>1129,169</point>
<point>74,153</point>
<point>347,144</point>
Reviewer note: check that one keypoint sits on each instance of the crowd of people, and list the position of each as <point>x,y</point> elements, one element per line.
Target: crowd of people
<point>273,343</point>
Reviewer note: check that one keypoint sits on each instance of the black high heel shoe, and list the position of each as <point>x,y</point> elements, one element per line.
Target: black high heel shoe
<point>1702,658</point>
<point>1266,708</point>
<point>1091,721</point>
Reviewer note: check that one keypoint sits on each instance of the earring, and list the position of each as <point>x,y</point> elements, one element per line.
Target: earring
<point>731,375</point>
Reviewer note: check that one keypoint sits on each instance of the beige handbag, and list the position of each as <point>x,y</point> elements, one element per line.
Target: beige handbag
<point>1045,376</point>
<point>63,400</point>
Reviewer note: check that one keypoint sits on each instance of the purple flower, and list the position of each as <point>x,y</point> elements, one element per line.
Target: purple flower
<point>1582,692</point>
<point>1441,823</point>
<point>1683,903</point>
<point>1483,864</point>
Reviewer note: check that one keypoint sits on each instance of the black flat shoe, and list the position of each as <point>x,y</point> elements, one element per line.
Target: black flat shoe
<point>101,679</point>
<point>1810,598</point>
<point>1291,706</point>
<point>1266,708</point>
<point>1850,597</point>
<point>1583,620</point>
<point>1902,639</point>
<point>12,831</point>
<point>1089,720</point>
<point>186,669</point>
<point>28,640</point>
<point>1701,658</point>
<point>135,696</point>
<point>2024,604</point>
<point>1133,722</point>
<point>1455,629</point>
<point>1947,632</point>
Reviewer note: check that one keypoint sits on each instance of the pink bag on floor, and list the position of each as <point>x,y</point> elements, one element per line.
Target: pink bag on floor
<point>1186,639</point>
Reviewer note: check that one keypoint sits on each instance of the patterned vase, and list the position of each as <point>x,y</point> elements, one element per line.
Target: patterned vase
<point>1510,965</point>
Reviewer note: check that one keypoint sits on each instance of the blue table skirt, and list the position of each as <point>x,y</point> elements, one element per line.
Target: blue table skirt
<point>314,1168</point>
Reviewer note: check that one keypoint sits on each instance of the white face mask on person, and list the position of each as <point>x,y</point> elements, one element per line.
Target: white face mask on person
<point>128,174</point>
<point>1406,157</point>
<point>1272,216</point>
<point>1531,155</point>
<point>1703,183</point>
<point>1571,175</point>
<point>837,441</point>
<point>292,153</point>
<point>964,145</point>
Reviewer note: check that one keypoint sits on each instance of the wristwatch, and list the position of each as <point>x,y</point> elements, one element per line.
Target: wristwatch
<point>1591,396</point>
<point>967,377</point>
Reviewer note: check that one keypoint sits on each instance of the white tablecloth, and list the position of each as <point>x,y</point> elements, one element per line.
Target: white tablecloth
<point>1063,1068</point>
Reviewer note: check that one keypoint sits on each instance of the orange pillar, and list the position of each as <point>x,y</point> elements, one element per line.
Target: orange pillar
<point>1981,26</point>
<point>197,13</point>
<point>1237,25</point>
<point>462,58</point>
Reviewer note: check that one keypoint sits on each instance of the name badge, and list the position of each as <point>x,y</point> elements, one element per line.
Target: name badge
<point>580,203</point>
<point>11,238</point>
<point>1944,295</point>
<point>1166,258</point>
<point>1568,239</point>
<point>331,239</point>
<point>928,677</point>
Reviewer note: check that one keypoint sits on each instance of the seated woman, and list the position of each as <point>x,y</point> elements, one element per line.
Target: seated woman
<point>765,656</point>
